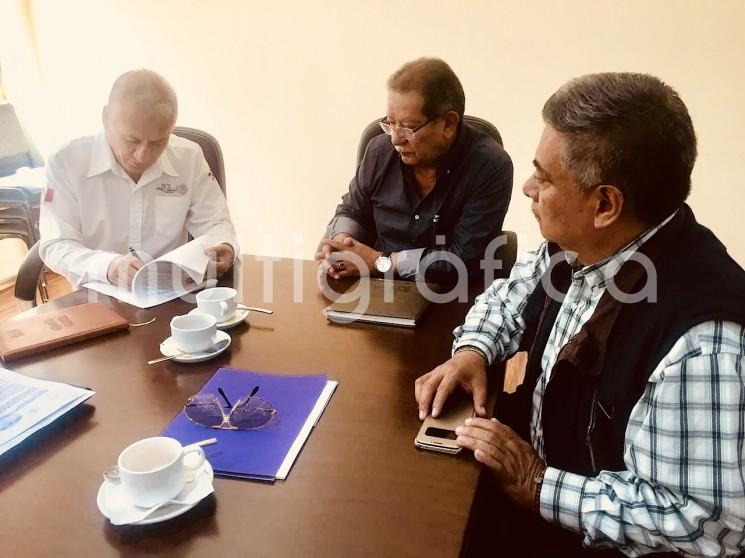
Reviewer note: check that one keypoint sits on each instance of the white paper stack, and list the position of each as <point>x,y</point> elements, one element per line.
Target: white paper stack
<point>28,405</point>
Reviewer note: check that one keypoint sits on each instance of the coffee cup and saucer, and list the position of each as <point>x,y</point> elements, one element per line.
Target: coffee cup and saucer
<point>194,338</point>
<point>158,479</point>
<point>222,304</point>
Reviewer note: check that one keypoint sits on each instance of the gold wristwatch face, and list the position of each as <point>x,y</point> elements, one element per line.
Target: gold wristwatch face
<point>383,263</point>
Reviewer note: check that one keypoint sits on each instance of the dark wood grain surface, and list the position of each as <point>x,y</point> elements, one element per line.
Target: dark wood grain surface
<point>358,488</point>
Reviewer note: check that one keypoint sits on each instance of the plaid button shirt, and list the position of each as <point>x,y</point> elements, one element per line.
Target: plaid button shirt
<point>684,484</point>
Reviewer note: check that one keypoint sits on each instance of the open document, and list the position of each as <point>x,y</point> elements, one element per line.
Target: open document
<point>170,276</point>
<point>28,405</point>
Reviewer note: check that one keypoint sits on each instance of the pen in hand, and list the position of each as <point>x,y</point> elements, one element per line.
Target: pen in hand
<point>132,251</point>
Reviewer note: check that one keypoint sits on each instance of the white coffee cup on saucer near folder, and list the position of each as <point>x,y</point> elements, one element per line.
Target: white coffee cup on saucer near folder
<point>219,302</point>
<point>194,333</point>
<point>152,470</point>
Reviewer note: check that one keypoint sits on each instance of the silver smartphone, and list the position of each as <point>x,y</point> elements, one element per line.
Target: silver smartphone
<point>438,434</point>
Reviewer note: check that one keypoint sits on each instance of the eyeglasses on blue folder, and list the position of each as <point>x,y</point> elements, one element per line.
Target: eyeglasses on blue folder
<point>249,412</point>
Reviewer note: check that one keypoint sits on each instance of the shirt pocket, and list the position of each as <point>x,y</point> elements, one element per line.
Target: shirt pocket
<point>392,222</point>
<point>169,215</point>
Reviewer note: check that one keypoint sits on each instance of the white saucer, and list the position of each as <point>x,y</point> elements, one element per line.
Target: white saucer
<point>167,348</point>
<point>239,316</point>
<point>111,493</point>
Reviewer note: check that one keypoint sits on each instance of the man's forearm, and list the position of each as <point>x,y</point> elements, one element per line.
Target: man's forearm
<point>344,224</point>
<point>76,262</point>
<point>494,323</point>
<point>634,515</point>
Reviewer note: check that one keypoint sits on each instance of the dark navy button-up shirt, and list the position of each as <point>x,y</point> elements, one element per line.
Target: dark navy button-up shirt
<point>459,217</point>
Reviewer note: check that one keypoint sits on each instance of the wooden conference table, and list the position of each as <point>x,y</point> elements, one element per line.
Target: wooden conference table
<point>358,488</point>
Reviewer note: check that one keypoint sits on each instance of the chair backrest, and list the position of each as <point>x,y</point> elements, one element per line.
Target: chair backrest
<point>373,129</point>
<point>210,148</point>
<point>507,254</point>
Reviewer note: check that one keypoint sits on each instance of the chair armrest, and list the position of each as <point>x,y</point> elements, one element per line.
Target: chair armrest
<point>28,275</point>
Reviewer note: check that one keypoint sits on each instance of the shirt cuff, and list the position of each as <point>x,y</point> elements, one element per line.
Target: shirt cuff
<point>472,349</point>
<point>407,262</point>
<point>98,268</point>
<point>478,343</point>
<point>561,498</point>
<point>344,224</point>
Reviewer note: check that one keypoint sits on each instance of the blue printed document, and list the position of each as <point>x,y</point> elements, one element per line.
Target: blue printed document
<point>266,453</point>
<point>28,405</point>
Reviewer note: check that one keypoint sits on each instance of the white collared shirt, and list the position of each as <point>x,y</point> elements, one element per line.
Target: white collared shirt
<point>92,211</point>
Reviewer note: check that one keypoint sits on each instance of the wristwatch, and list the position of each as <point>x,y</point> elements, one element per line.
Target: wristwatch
<point>383,263</point>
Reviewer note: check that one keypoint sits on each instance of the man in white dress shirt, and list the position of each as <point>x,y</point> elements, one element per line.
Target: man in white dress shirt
<point>135,185</point>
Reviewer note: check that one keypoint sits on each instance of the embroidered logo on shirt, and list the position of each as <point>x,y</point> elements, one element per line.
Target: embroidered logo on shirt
<point>172,190</point>
<point>48,194</point>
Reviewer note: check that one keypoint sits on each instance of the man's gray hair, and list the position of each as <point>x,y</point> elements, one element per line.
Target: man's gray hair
<point>629,130</point>
<point>146,91</point>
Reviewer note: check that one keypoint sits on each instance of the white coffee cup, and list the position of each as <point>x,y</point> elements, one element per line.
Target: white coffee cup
<point>194,333</point>
<point>220,302</point>
<point>152,470</point>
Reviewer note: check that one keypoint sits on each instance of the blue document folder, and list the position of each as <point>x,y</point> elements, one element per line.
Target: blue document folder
<point>254,453</point>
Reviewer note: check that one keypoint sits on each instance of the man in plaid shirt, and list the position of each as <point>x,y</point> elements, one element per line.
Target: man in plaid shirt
<point>629,428</point>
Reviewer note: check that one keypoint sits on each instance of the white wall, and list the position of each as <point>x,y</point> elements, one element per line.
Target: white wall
<point>287,86</point>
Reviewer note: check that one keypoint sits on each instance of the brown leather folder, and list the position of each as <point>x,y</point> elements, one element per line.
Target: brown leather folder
<point>25,336</point>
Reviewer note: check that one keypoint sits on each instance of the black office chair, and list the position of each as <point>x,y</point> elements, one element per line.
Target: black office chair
<point>32,267</point>
<point>19,219</point>
<point>210,148</point>
<point>28,277</point>
<point>506,253</point>
<point>19,213</point>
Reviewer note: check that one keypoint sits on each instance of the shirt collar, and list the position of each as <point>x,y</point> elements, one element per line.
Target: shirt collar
<point>166,160</point>
<point>102,160</point>
<point>600,273</point>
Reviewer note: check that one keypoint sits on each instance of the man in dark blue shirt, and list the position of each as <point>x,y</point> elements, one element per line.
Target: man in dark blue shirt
<point>427,200</point>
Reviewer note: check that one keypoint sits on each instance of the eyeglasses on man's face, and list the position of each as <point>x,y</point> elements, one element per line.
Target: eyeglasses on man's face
<point>406,133</point>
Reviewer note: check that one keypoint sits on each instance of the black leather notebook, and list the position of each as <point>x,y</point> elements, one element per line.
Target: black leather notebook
<point>380,301</point>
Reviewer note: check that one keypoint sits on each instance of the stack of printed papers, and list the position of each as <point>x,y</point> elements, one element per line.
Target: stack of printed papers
<point>170,276</point>
<point>28,405</point>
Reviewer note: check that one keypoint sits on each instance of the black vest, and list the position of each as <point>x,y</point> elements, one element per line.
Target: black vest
<point>601,373</point>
